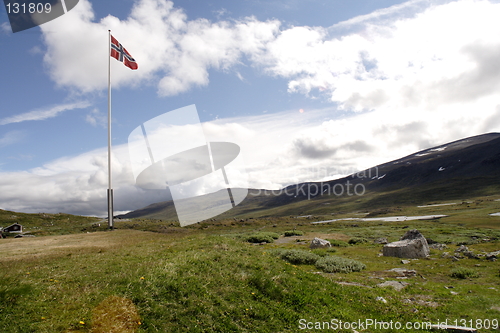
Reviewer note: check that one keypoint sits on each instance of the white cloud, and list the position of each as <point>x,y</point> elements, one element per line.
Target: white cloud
<point>75,184</point>
<point>400,56</point>
<point>171,51</point>
<point>11,137</point>
<point>5,28</point>
<point>96,118</point>
<point>408,61</point>
<point>42,114</point>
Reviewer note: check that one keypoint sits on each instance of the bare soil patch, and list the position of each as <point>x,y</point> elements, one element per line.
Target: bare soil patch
<point>35,247</point>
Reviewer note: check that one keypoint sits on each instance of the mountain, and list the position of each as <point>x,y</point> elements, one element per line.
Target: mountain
<point>457,170</point>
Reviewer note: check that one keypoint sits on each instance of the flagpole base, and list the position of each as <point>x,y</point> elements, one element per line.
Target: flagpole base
<point>110,209</point>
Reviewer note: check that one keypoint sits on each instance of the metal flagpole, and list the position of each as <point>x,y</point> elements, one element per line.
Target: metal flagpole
<point>110,187</point>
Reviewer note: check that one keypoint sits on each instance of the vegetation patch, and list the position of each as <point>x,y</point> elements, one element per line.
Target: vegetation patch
<point>463,273</point>
<point>290,233</point>
<point>299,257</point>
<point>358,240</point>
<point>262,237</point>
<point>333,264</point>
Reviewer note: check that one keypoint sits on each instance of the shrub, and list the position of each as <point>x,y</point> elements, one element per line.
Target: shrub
<point>339,265</point>
<point>290,233</point>
<point>262,237</point>
<point>463,273</point>
<point>299,257</point>
<point>357,240</point>
<point>338,243</point>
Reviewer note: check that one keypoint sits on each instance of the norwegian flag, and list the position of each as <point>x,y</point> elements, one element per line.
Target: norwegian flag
<point>121,54</point>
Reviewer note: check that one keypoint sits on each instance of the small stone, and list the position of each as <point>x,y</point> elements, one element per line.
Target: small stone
<point>381,299</point>
<point>446,255</point>
<point>405,262</point>
<point>437,246</point>
<point>381,240</point>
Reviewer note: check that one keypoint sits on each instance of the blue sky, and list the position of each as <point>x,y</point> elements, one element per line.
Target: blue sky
<point>375,80</point>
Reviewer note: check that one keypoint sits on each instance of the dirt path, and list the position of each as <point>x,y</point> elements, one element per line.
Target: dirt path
<point>19,248</point>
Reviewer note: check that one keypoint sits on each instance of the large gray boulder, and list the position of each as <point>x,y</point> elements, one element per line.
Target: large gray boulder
<point>318,243</point>
<point>412,245</point>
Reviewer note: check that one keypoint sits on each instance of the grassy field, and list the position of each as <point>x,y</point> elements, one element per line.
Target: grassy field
<point>153,276</point>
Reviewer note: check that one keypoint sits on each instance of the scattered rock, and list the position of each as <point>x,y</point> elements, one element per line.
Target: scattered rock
<point>381,240</point>
<point>495,308</point>
<point>397,285</point>
<point>412,245</point>
<point>466,252</point>
<point>404,272</point>
<point>318,243</point>
<point>446,255</point>
<point>438,246</point>
<point>421,302</point>
<point>492,255</point>
<point>353,284</point>
<point>381,299</point>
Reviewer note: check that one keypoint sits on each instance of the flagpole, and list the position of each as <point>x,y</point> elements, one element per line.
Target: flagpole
<point>110,185</point>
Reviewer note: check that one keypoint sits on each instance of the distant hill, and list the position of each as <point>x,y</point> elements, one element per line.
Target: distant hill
<point>461,169</point>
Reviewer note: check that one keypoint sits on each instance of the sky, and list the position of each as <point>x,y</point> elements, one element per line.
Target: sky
<point>310,90</point>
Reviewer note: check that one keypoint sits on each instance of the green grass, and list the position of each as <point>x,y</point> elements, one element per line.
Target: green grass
<point>290,233</point>
<point>209,278</point>
<point>299,257</point>
<point>464,273</point>
<point>339,265</point>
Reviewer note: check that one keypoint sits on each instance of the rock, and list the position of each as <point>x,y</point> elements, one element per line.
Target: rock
<point>318,243</point>
<point>462,248</point>
<point>412,245</point>
<point>405,262</point>
<point>381,240</point>
<point>404,272</point>
<point>471,255</point>
<point>437,246</point>
<point>381,299</point>
<point>397,285</point>
<point>492,255</point>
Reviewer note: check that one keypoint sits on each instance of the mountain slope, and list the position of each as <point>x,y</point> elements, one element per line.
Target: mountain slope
<point>460,169</point>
